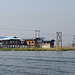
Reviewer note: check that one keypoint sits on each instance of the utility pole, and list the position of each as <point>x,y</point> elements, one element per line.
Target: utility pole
<point>37,33</point>
<point>59,39</point>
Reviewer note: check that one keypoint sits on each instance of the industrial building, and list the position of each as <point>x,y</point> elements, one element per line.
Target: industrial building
<point>15,42</point>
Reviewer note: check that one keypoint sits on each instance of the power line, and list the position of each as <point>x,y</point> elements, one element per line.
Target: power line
<point>14,29</point>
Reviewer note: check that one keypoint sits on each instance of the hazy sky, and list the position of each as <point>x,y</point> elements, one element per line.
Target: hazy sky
<point>48,16</point>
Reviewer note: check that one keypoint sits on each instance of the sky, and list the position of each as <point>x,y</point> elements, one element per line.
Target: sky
<point>22,17</point>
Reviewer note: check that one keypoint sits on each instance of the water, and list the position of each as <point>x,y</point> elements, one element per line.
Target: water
<point>37,63</point>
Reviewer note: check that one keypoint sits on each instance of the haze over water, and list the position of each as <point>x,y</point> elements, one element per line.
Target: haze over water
<point>48,16</point>
<point>37,63</point>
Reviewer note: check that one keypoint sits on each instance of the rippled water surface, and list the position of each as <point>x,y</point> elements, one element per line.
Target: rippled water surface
<point>37,63</point>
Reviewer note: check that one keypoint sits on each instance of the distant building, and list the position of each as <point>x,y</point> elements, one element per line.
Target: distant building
<point>73,45</point>
<point>9,42</point>
<point>48,44</point>
<point>39,43</point>
<point>29,42</point>
<point>12,42</point>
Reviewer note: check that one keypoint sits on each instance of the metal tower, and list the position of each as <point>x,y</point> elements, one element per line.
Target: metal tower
<point>58,39</point>
<point>73,40</point>
<point>37,33</point>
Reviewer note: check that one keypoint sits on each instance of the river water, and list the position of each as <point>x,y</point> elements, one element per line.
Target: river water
<point>37,63</point>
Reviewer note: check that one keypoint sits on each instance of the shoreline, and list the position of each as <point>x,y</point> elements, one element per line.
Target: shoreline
<point>37,49</point>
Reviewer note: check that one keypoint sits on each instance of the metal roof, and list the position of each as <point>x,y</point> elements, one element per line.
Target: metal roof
<point>41,37</point>
<point>1,37</point>
<point>8,38</point>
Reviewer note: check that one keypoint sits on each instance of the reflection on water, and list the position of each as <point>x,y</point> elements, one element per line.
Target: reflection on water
<point>37,63</point>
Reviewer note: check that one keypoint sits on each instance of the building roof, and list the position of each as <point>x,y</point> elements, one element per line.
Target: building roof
<point>1,37</point>
<point>28,39</point>
<point>41,37</point>
<point>8,38</point>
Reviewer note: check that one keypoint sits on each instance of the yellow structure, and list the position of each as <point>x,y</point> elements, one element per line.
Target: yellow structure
<point>46,45</point>
<point>30,42</point>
